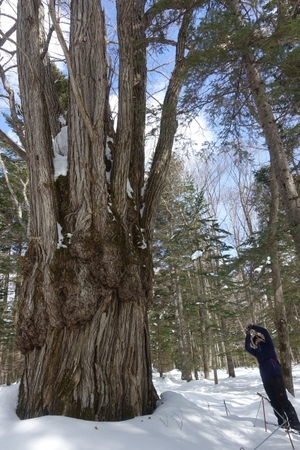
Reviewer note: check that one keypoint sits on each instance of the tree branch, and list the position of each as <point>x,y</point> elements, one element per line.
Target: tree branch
<point>47,42</point>
<point>168,127</point>
<point>13,145</point>
<point>12,193</point>
<point>6,35</point>
<point>12,106</point>
<point>164,5</point>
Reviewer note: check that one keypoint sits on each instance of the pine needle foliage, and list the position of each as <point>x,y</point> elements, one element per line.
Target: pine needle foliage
<point>190,259</point>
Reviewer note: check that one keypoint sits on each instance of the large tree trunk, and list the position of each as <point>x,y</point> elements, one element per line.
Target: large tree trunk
<point>96,371</point>
<point>83,312</point>
<point>83,308</point>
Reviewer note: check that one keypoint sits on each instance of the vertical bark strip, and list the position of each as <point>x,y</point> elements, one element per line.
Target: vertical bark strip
<point>280,316</point>
<point>183,344</point>
<point>43,211</point>
<point>86,156</point>
<point>137,156</point>
<point>40,158</point>
<point>121,165</point>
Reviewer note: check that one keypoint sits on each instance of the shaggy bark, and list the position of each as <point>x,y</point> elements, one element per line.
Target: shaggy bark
<point>83,308</point>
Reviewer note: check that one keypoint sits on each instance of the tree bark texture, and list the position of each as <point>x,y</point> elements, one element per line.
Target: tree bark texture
<point>83,324</point>
<point>229,359</point>
<point>183,335</point>
<point>279,303</point>
<point>201,295</point>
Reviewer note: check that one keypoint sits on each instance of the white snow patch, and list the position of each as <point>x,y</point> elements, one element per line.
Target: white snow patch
<point>108,157</point>
<point>196,255</point>
<point>60,147</point>
<point>196,415</point>
<point>129,189</point>
<point>60,237</point>
<point>60,142</point>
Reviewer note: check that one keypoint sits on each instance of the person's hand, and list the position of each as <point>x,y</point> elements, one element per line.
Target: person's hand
<point>248,328</point>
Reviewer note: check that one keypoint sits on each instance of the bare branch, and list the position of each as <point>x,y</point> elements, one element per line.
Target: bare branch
<point>12,106</point>
<point>6,35</point>
<point>47,42</point>
<point>168,129</point>
<point>156,40</point>
<point>12,193</point>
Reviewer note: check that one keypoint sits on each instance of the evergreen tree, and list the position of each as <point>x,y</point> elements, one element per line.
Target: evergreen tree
<point>13,227</point>
<point>188,248</point>
<point>236,44</point>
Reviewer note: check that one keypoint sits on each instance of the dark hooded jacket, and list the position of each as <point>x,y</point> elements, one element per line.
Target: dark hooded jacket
<point>265,354</point>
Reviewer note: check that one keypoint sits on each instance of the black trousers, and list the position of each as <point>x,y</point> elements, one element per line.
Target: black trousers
<point>276,392</point>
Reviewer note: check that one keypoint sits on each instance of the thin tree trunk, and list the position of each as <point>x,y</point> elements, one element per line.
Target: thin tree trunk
<point>201,294</point>
<point>280,312</point>
<point>213,356</point>
<point>1,364</point>
<point>193,352</point>
<point>182,335</point>
<point>159,348</point>
<point>229,359</point>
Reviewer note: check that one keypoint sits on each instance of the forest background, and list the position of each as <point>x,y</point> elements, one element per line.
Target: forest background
<point>224,244</point>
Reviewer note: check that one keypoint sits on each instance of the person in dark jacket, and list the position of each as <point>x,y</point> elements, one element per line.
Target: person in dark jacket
<point>258,343</point>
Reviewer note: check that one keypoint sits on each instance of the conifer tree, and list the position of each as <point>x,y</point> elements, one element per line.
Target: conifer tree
<point>13,227</point>
<point>238,44</point>
<point>184,232</point>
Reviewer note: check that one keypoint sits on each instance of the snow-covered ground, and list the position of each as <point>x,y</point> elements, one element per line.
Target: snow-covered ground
<point>197,415</point>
